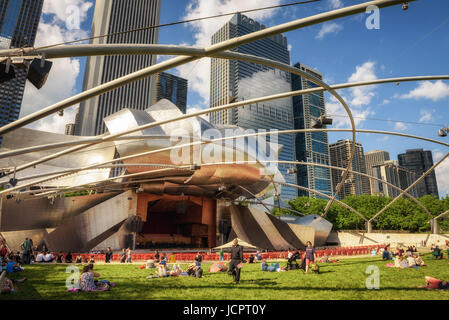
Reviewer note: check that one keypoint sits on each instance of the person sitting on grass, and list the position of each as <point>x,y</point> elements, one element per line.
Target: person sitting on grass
<point>68,257</point>
<point>59,257</point>
<point>12,267</point>
<point>273,267</point>
<point>397,262</point>
<point>92,259</point>
<point>408,253</point>
<point>87,282</point>
<point>258,256</point>
<point>264,265</point>
<point>195,269</point>
<point>386,255</point>
<point>325,258</point>
<point>49,257</point>
<point>8,285</point>
<point>411,261</point>
<point>437,253</point>
<point>403,262</point>
<point>162,269</point>
<point>177,271</point>
<point>418,260</point>
<point>79,259</point>
<point>251,259</point>
<point>433,283</point>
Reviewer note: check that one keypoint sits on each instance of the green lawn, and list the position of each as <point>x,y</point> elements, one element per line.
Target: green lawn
<point>344,280</point>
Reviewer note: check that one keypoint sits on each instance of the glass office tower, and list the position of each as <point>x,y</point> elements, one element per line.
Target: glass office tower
<point>19,20</point>
<point>172,88</point>
<point>310,146</point>
<point>419,161</point>
<point>233,80</point>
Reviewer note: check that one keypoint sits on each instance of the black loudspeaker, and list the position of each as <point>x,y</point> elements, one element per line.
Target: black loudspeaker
<point>127,241</point>
<point>134,224</point>
<point>38,75</point>
<point>4,77</point>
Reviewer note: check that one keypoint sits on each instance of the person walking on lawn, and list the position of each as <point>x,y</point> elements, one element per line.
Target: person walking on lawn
<point>236,260</point>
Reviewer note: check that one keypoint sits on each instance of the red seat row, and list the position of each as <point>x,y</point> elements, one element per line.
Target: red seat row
<point>265,255</point>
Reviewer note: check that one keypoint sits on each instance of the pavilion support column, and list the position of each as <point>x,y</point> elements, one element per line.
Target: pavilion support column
<point>209,217</point>
<point>369,227</point>
<point>435,228</point>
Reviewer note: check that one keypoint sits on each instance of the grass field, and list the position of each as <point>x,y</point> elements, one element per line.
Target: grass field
<point>344,280</point>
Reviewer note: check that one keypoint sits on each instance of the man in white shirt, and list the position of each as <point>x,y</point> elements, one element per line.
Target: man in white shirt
<point>40,257</point>
<point>49,257</point>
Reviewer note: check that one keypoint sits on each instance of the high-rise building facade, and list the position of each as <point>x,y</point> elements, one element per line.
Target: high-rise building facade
<point>419,161</point>
<point>19,20</point>
<point>233,80</point>
<point>172,88</point>
<point>310,146</point>
<point>394,174</point>
<point>110,17</point>
<point>354,184</point>
<point>70,129</point>
<point>375,158</point>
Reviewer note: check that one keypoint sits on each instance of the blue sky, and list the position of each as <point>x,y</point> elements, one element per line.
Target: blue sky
<point>408,43</point>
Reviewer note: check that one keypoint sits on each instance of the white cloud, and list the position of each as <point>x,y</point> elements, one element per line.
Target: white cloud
<point>358,99</point>
<point>338,113</point>
<point>429,90</point>
<point>327,28</point>
<point>335,4</point>
<point>386,101</point>
<point>197,108</point>
<point>198,73</point>
<point>426,116</point>
<point>61,82</point>
<point>63,9</point>
<point>363,95</point>
<point>400,126</point>
<point>442,173</point>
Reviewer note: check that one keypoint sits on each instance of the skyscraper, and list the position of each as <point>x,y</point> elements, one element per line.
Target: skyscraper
<point>172,88</point>
<point>339,156</point>
<point>310,146</point>
<point>233,80</point>
<point>375,158</point>
<point>419,161</point>
<point>19,20</point>
<point>112,16</point>
<point>391,172</point>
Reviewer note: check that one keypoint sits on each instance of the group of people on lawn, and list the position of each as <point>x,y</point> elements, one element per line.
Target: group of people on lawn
<point>88,280</point>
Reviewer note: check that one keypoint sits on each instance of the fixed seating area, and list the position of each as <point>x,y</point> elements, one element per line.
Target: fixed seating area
<point>190,256</point>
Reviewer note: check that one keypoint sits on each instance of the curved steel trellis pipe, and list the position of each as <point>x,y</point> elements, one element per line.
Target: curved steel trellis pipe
<point>410,187</point>
<point>218,140</point>
<point>299,92</point>
<point>71,189</point>
<point>239,56</point>
<point>219,47</point>
<point>322,195</point>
